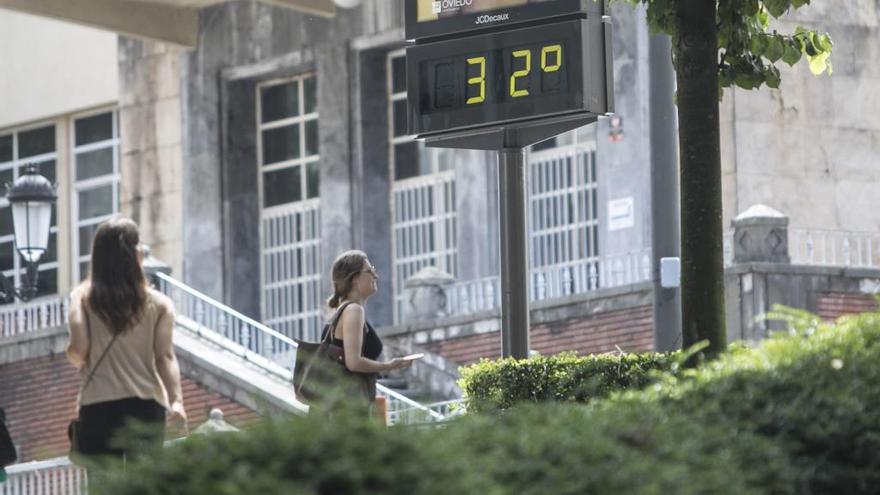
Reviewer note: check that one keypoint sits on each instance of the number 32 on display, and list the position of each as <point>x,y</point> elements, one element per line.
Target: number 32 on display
<point>551,61</point>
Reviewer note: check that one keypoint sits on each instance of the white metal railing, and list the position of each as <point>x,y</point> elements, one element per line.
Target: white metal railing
<point>51,477</point>
<point>449,408</point>
<point>243,336</point>
<point>261,345</point>
<point>835,248</point>
<point>550,282</point>
<point>35,315</point>
<point>403,410</point>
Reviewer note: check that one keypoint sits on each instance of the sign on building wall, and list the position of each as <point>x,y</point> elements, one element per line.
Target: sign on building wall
<point>621,214</point>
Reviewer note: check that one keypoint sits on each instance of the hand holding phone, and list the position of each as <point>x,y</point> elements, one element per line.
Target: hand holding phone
<point>413,357</point>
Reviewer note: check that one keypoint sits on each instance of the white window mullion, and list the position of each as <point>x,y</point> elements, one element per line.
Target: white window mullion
<point>286,301</point>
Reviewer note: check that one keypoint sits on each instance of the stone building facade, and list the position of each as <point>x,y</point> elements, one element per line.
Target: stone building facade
<point>251,159</point>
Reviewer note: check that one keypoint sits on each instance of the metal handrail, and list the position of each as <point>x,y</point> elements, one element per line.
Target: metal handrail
<point>226,309</point>
<point>237,333</point>
<point>268,357</point>
<point>397,402</point>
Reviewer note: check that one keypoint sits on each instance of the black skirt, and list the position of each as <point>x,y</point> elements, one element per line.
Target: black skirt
<point>125,427</point>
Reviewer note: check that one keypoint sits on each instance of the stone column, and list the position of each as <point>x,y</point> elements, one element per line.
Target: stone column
<point>150,165</point>
<point>760,235</point>
<point>426,295</point>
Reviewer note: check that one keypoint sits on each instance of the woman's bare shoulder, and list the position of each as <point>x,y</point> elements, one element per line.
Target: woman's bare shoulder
<point>352,311</point>
<point>162,302</point>
<point>80,290</point>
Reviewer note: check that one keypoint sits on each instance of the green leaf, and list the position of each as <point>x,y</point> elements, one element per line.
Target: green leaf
<point>777,7</point>
<point>749,80</point>
<point>792,53</point>
<point>758,44</point>
<point>775,49</point>
<point>824,42</point>
<point>771,77</point>
<point>799,3</point>
<point>810,45</point>
<point>819,63</point>
<point>763,18</point>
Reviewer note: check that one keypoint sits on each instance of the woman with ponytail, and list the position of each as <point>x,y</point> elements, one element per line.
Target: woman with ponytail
<point>120,341</point>
<point>354,281</point>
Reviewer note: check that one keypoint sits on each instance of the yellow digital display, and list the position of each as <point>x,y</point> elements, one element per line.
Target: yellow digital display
<point>495,76</point>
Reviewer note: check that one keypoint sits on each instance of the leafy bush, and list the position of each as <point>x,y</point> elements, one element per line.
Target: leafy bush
<point>799,414</point>
<point>814,392</point>
<point>554,448</point>
<point>500,384</point>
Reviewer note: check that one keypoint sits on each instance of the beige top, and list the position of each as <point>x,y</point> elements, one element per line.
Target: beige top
<point>129,368</point>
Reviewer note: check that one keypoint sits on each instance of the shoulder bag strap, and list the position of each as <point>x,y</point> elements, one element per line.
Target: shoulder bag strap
<point>333,323</point>
<point>103,354</point>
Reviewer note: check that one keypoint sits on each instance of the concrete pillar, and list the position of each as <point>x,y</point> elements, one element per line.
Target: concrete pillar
<point>426,295</point>
<point>760,235</point>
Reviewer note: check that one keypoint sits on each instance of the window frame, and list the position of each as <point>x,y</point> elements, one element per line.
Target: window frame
<point>306,322</point>
<point>18,269</point>
<point>77,186</point>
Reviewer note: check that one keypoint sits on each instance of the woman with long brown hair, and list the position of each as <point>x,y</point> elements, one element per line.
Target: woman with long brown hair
<point>354,281</point>
<point>120,341</point>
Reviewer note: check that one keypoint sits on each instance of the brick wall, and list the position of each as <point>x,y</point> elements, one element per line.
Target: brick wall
<point>39,396</point>
<point>630,329</point>
<point>832,305</point>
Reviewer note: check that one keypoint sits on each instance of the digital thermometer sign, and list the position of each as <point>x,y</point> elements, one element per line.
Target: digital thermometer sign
<point>507,76</point>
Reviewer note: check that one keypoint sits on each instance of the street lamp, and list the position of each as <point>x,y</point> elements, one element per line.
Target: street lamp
<point>31,197</point>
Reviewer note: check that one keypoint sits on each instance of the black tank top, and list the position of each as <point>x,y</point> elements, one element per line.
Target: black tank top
<point>372,344</point>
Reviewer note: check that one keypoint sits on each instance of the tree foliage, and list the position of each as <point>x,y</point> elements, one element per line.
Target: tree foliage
<point>750,47</point>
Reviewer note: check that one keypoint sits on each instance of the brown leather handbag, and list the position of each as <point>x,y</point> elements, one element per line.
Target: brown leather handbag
<point>320,375</point>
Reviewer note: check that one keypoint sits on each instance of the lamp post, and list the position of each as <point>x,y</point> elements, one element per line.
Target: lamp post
<point>31,197</point>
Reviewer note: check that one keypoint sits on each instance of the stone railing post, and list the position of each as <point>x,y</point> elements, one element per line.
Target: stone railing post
<point>426,294</point>
<point>760,235</point>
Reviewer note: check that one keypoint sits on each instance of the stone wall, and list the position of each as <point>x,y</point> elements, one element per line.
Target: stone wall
<point>810,148</point>
<point>151,166</point>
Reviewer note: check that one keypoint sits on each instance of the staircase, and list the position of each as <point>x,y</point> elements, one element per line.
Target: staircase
<point>239,346</point>
<point>230,353</point>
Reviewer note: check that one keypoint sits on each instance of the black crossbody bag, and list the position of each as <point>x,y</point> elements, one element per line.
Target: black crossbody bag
<point>7,448</point>
<point>74,429</point>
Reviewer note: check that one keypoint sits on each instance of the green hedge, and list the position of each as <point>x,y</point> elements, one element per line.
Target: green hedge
<point>500,384</point>
<point>799,414</point>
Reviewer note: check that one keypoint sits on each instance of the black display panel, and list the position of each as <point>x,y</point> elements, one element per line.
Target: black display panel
<point>433,18</point>
<point>503,77</point>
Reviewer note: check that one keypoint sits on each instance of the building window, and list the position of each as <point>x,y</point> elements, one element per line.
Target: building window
<point>95,178</point>
<point>563,215</point>
<point>423,194</point>
<point>33,145</point>
<point>287,142</point>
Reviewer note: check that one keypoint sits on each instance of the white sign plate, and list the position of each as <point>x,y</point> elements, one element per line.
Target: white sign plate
<point>621,214</point>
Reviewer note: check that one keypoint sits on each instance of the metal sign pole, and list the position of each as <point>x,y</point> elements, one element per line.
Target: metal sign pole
<point>514,253</point>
